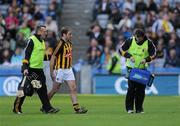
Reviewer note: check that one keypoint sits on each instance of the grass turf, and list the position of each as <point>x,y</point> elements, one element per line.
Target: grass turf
<point>104,110</point>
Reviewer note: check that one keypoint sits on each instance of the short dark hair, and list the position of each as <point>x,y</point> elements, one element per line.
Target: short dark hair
<point>139,32</point>
<point>65,30</point>
<point>39,27</point>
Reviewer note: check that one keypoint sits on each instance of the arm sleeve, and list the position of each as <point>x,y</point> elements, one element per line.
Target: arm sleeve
<point>114,61</point>
<point>151,51</point>
<point>124,48</point>
<point>29,49</point>
<point>28,52</point>
<point>58,49</point>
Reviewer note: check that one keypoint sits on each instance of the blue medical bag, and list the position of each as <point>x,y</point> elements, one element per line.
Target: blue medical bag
<point>141,76</point>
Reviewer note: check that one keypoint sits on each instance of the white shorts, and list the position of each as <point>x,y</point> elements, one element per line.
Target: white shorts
<point>64,75</point>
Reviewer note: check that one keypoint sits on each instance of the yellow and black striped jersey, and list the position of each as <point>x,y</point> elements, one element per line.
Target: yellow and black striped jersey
<point>64,55</point>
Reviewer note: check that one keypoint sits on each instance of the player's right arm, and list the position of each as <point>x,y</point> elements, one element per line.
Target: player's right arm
<point>28,52</point>
<point>53,57</point>
<point>124,49</point>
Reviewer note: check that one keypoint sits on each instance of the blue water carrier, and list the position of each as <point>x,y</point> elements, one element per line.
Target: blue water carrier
<point>141,76</point>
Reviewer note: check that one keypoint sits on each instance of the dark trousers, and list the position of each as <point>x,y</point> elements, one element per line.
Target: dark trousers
<point>135,94</point>
<point>42,92</point>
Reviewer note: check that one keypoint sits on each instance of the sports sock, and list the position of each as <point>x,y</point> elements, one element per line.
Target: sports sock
<point>76,106</point>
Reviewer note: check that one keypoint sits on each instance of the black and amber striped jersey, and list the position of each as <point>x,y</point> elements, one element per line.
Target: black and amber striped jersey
<point>64,55</point>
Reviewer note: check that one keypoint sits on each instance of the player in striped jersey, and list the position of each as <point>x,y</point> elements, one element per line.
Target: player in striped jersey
<point>61,62</point>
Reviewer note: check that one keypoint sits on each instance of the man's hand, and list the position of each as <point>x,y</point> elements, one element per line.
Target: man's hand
<point>25,72</point>
<point>53,75</point>
<point>132,59</point>
<point>143,61</point>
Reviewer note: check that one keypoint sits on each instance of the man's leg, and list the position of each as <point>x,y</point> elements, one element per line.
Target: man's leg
<point>17,104</point>
<point>55,88</point>
<point>73,91</point>
<point>139,97</point>
<point>129,102</point>
<point>42,93</point>
<point>73,94</point>
<point>17,108</point>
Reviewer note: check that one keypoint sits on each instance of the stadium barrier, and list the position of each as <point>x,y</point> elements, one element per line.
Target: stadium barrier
<point>167,82</point>
<point>164,84</point>
<point>11,75</point>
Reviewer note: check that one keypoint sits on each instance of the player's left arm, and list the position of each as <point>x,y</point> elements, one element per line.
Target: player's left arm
<point>151,51</point>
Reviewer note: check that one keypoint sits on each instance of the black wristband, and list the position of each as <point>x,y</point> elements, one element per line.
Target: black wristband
<point>127,55</point>
<point>148,59</point>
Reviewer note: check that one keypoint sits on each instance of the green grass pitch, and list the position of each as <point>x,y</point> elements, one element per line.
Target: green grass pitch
<point>104,110</point>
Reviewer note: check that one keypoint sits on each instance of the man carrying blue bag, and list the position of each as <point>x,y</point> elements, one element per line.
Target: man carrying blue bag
<point>138,50</point>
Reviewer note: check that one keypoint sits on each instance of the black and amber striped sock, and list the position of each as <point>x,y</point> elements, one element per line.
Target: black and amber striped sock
<point>76,106</point>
